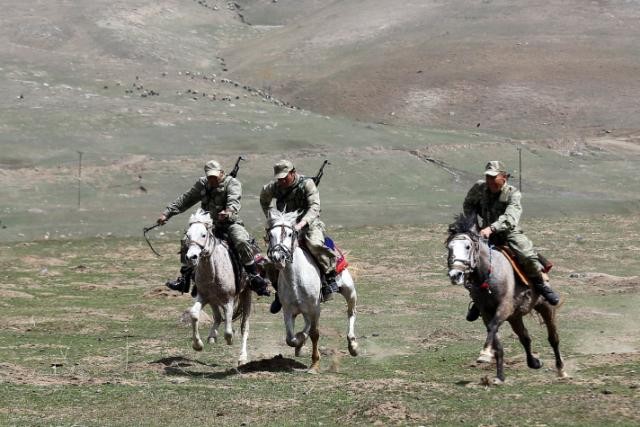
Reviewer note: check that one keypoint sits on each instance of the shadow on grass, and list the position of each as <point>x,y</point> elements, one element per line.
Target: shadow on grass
<point>179,366</point>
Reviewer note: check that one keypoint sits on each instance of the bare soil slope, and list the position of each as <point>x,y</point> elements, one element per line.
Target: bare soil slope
<point>534,68</point>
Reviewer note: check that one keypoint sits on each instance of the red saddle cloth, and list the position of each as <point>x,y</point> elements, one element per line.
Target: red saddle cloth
<point>341,260</point>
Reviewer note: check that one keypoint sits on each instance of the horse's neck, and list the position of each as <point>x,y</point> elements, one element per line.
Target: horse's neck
<point>206,268</point>
<point>302,267</point>
<point>484,258</point>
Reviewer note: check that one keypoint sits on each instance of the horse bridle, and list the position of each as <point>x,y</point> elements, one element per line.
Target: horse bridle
<point>468,264</point>
<point>204,246</point>
<point>287,251</point>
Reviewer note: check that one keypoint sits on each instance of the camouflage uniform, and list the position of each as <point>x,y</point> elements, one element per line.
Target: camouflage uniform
<point>501,211</point>
<point>302,195</point>
<point>226,196</point>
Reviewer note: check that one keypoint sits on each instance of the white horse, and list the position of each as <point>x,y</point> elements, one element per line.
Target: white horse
<point>299,286</point>
<point>216,283</point>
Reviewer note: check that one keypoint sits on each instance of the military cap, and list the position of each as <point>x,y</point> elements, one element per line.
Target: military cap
<point>212,168</point>
<point>282,168</point>
<point>495,168</point>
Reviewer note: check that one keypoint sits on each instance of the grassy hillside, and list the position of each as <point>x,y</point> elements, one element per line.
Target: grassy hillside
<point>146,93</point>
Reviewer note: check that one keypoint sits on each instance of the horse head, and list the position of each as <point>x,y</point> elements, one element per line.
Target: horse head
<point>463,246</point>
<point>282,237</point>
<point>199,236</point>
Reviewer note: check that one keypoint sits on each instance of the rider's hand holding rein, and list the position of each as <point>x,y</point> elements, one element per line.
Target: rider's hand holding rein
<point>162,219</point>
<point>299,226</point>
<point>486,232</point>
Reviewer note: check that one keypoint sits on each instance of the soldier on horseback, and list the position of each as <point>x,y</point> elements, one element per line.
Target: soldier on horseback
<point>219,194</point>
<point>294,192</point>
<point>498,205</point>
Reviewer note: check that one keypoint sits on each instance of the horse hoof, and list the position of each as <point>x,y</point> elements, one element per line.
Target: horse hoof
<point>314,370</point>
<point>211,340</point>
<point>498,381</point>
<point>563,374</point>
<point>485,356</point>
<point>535,363</point>
<point>242,360</point>
<point>353,348</point>
<point>228,339</point>
<point>198,346</point>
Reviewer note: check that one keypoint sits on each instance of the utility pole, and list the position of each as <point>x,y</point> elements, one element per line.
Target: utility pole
<point>520,167</point>
<point>79,175</point>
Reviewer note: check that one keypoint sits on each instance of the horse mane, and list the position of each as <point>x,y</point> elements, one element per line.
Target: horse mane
<point>463,224</point>
<point>201,216</point>
<point>276,217</point>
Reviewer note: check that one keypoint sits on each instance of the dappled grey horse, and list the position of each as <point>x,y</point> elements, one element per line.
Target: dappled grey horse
<point>216,283</point>
<point>489,277</point>
<point>299,286</point>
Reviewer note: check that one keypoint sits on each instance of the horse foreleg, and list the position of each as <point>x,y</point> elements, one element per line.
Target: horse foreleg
<point>548,314</point>
<point>350,295</point>
<point>194,312</point>
<point>228,322</point>
<point>486,355</point>
<point>523,335</point>
<point>499,355</point>
<point>245,300</point>
<point>217,319</point>
<point>315,353</point>
<point>293,339</point>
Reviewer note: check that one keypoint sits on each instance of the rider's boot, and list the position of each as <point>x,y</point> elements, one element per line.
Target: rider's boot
<point>542,287</point>
<point>257,282</point>
<point>275,305</point>
<point>473,312</point>
<point>329,286</point>
<point>183,282</point>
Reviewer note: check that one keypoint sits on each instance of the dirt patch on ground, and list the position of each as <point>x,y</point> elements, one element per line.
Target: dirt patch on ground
<point>35,261</point>
<point>5,293</point>
<point>275,364</point>
<point>19,375</point>
<point>386,413</point>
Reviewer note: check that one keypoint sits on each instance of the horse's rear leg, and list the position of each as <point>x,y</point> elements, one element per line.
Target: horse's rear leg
<point>315,353</point>
<point>348,290</point>
<point>548,314</point>
<point>245,301</point>
<point>217,319</point>
<point>194,312</point>
<point>518,327</point>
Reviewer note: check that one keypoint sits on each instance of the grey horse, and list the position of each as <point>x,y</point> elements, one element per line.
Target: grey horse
<point>489,277</point>
<point>216,285</point>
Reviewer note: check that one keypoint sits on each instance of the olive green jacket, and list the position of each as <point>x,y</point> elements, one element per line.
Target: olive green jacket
<point>226,195</point>
<point>501,210</point>
<point>301,196</point>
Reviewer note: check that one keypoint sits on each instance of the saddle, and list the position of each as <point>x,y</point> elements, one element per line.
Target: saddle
<point>517,268</point>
